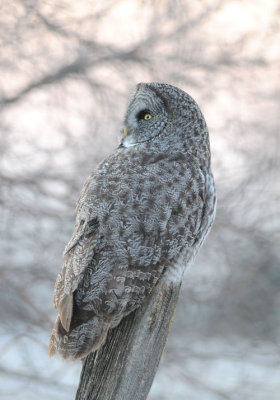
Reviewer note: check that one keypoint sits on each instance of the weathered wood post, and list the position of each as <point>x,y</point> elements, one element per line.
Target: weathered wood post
<point>125,366</point>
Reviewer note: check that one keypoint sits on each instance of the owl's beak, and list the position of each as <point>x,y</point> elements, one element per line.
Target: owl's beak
<point>125,134</point>
<point>128,138</point>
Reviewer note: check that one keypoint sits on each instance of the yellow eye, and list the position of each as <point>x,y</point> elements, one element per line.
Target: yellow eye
<point>147,116</point>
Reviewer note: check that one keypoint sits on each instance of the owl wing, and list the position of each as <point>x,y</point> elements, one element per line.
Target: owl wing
<point>77,255</point>
<point>141,239</point>
<point>164,231</point>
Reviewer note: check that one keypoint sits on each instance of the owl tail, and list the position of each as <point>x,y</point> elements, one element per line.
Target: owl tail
<point>79,341</point>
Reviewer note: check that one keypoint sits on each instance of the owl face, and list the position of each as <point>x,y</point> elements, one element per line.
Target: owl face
<point>146,117</point>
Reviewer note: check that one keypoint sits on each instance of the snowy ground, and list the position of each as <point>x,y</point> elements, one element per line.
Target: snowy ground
<point>207,370</point>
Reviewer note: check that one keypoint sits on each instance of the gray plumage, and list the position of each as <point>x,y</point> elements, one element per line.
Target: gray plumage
<point>142,215</point>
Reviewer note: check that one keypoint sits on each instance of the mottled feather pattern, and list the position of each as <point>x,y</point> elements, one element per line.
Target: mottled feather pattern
<point>142,215</point>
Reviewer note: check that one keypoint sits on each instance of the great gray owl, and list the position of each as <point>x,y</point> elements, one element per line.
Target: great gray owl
<point>142,215</point>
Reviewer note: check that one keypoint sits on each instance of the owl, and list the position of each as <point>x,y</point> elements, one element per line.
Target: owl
<point>141,217</point>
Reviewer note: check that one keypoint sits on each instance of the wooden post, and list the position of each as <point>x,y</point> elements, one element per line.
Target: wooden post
<point>125,366</point>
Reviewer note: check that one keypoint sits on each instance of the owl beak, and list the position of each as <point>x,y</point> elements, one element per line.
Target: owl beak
<point>125,131</point>
<point>125,134</point>
<point>128,138</point>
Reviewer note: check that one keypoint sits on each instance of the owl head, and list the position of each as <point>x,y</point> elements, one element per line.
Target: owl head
<point>162,113</point>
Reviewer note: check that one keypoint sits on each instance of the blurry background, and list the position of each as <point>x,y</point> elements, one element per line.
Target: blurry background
<point>66,70</point>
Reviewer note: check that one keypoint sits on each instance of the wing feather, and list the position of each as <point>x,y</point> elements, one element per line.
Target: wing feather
<point>66,311</point>
<point>77,253</point>
<point>77,256</point>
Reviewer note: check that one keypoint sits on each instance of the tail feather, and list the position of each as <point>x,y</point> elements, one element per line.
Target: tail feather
<point>79,341</point>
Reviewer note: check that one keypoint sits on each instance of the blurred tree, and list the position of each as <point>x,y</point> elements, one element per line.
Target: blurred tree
<point>66,69</point>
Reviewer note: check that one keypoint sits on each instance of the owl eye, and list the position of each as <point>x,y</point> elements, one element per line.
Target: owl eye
<point>145,114</point>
